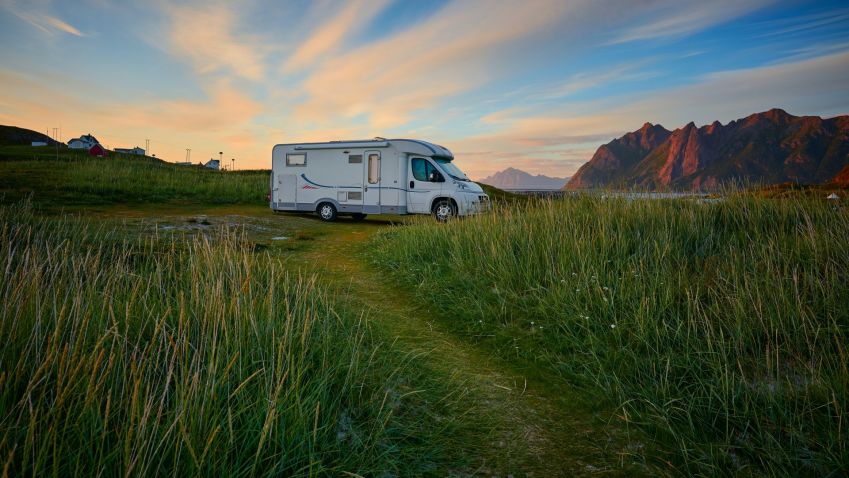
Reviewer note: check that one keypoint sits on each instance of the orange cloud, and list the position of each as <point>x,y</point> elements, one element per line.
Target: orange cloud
<point>203,33</point>
<point>45,23</point>
<point>354,15</point>
<point>388,81</point>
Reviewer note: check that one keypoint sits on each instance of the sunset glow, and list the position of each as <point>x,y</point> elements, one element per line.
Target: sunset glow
<point>536,85</point>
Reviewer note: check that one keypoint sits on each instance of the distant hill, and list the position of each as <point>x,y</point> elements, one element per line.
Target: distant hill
<point>772,147</point>
<point>512,178</point>
<point>12,136</point>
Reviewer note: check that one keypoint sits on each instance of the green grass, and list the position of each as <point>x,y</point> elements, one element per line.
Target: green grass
<point>78,179</point>
<point>193,354</point>
<point>719,327</point>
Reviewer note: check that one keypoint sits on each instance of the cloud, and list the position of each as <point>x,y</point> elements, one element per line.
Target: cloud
<point>328,37</point>
<point>558,140</point>
<point>220,121</point>
<point>454,51</point>
<point>224,108</point>
<point>47,24</point>
<point>205,35</point>
<point>811,86</point>
<point>585,81</point>
<point>677,19</point>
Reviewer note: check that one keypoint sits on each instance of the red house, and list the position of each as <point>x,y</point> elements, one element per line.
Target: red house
<point>97,150</point>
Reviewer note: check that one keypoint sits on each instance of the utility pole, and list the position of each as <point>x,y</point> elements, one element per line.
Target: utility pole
<point>232,164</point>
<point>188,155</point>
<point>56,143</point>
<point>147,147</point>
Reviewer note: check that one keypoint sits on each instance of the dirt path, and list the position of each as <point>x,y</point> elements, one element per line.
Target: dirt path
<point>543,428</point>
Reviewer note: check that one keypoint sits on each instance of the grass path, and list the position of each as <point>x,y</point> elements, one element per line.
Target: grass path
<point>541,426</point>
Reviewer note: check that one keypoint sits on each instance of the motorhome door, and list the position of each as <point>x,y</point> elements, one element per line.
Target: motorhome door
<point>371,183</point>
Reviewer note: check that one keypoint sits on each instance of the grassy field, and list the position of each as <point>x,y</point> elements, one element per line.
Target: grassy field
<point>176,345</point>
<point>79,179</point>
<point>719,327</point>
<point>159,319</point>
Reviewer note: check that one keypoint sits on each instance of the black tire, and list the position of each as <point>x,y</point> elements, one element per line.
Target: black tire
<point>358,216</point>
<point>444,210</point>
<point>326,211</point>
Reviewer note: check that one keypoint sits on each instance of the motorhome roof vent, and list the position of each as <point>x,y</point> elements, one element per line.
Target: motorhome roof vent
<point>379,138</point>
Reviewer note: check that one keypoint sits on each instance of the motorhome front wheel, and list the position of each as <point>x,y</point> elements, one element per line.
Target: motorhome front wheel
<point>444,211</point>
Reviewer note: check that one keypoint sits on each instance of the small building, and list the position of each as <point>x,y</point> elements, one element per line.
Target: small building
<point>213,164</point>
<point>39,143</point>
<point>97,150</point>
<point>137,151</point>
<point>85,141</point>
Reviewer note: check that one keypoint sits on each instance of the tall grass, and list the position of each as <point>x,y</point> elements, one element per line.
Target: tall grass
<point>80,179</point>
<point>179,357</point>
<point>720,327</point>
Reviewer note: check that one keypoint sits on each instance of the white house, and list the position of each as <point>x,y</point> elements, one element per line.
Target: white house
<point>212,164</point>
<point>85,141</point>
<point>138,151</point>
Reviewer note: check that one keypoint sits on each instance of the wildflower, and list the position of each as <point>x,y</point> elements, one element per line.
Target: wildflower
<point>577,290</point>
<point>605,288</point>
<point>612,326</point>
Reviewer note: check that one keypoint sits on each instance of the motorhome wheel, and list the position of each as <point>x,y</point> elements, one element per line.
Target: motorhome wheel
<point>327,211</point>
<point>444,210</point>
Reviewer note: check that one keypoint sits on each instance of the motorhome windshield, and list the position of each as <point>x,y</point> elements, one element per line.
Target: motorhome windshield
<point>452,170</point>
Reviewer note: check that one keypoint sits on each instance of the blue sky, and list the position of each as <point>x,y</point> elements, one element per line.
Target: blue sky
<point>536,85</point>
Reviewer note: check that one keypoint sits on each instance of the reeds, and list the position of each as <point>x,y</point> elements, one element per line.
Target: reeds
<point>719,326</point>
<point>178,356</point>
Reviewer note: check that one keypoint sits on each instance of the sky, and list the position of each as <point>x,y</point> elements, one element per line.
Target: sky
<point>536,85</point>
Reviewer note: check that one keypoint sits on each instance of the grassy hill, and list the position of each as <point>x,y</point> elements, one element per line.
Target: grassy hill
<point>12,135</point>
<point>73,177</point>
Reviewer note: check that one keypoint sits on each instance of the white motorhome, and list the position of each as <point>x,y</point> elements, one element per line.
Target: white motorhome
<point>380,176</point>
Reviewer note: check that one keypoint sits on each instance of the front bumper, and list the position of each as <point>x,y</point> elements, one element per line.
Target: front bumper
<point>477,203</point>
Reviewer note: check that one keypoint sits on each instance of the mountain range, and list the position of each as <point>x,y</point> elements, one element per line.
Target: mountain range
<point>766,148</point>
<point>512,178</point>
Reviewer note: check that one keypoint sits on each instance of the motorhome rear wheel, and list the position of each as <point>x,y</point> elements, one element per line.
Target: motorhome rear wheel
<point>327,211</point>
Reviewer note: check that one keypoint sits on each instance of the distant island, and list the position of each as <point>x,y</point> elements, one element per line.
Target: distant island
<point>772,147</point>
<point>516,179</point>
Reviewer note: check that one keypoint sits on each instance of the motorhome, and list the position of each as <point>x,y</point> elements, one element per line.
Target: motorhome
<point>379,176</point>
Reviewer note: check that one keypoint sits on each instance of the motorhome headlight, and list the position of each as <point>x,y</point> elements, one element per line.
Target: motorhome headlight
<point>462,186</point>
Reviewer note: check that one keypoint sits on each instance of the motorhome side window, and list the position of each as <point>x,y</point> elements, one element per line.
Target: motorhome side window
<point>355,159</point>
<point>373,168</point>
<point>296,159</point>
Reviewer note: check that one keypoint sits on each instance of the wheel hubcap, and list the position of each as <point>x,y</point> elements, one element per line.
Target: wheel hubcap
<point>326,212</point>
<point>443,211</point>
